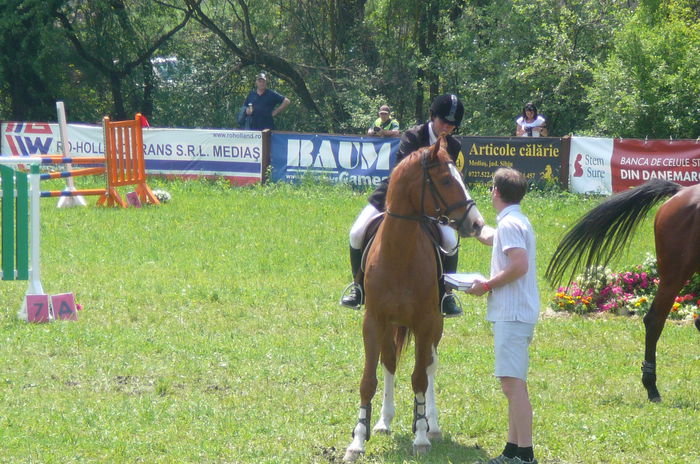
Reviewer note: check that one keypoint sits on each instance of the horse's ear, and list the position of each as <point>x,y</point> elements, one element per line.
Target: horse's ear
<point>443,142</point>
<point>440,144</point>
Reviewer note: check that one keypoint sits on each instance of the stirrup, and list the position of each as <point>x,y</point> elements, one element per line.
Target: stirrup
<point>346,290</point>
<point>458,304</point>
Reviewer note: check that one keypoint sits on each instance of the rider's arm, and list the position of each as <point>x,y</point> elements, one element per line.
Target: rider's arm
<point>409,143</point>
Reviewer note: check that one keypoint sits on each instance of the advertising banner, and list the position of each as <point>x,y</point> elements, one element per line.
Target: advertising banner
<point>589,165</point>
<point>538,158</point>
<point>235,155</point>
<point>636,161</point>
<point>609,166</point>
<point>357,160</point>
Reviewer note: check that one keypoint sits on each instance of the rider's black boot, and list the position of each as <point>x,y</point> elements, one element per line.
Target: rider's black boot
<point>354,296</point>
<point>448,303</point>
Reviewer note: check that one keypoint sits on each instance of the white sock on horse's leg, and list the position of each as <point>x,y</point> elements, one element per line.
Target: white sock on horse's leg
<point>421,444</point>
<point>387,415</point>
<point>359,435</point>
<point>434,432</point>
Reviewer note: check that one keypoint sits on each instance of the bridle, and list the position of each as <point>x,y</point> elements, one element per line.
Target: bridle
<point>442,210</point>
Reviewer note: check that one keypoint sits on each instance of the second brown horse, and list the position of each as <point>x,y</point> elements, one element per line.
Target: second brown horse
<point>604,231</point>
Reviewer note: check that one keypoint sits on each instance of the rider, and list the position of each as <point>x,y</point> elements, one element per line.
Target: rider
<point>446,114</point>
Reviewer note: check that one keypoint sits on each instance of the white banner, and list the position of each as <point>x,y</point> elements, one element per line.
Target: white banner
<point>235,155</point>
<point>589,165</point>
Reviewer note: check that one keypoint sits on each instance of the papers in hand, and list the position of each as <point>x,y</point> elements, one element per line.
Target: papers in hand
<point>463,281</point>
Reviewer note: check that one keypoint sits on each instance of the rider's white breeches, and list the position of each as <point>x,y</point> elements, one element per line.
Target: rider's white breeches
<point>357,231</point>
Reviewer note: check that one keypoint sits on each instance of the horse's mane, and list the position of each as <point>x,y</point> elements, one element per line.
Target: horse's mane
<point>411,158</point>
<point>603,232</point>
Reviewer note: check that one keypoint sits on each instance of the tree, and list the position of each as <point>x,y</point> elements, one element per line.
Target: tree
<point>502,54</point>
<point>24,28</point>
<point>117,38</point>
<point>247,42</point>
<point>649,86</point>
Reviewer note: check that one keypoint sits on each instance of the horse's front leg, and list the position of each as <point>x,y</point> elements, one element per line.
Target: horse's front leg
<point>421,425</point>
<point>383,425</point>
<point>434,432</point>
<point>654,324</point>
<point>368,386</point>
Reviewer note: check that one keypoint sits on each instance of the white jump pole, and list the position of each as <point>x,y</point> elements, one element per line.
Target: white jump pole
<point>78,200</point>
<point>35,287</point>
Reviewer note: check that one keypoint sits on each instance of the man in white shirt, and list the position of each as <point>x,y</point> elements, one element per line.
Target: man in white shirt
<point>513,307</point>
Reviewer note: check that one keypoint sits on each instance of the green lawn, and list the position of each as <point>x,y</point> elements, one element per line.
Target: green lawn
<point>211,334</point>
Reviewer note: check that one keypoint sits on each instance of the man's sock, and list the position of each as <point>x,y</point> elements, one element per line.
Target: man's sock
<point>526,454</point>
<point>511,450</point>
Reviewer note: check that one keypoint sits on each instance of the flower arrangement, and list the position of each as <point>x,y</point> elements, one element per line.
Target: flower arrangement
<point>627,292</point>
<point>162,196</point>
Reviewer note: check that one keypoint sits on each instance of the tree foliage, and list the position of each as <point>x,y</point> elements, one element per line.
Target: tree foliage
<point>649,85</point>
<point>602,67</point>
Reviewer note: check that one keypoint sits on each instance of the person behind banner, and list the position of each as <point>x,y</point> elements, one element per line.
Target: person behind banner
<point>531,124</point>
<point>261,105</point>
<point>384,125</point>
<point>446,114</point>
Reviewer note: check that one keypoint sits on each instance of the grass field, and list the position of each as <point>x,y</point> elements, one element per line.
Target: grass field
<point>211,334</point>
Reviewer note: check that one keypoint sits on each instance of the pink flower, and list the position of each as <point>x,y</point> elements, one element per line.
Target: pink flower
<point>78,306</point>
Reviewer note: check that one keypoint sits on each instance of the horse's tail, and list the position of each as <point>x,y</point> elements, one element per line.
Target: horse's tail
<point>401,338</point>
<point>604,230</point>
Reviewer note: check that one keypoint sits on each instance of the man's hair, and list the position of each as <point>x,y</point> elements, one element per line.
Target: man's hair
<point>511,184</point>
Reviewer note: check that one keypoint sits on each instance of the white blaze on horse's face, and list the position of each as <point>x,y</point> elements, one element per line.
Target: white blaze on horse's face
<point>475,222</point>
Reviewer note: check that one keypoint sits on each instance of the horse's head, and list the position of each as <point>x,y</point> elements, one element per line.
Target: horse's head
<point>449,199</point>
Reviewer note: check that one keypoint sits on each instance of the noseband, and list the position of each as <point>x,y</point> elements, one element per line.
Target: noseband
<point>442,210</point>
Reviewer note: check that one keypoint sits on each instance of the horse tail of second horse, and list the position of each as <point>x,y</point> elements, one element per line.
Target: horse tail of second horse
<point>604,230</point>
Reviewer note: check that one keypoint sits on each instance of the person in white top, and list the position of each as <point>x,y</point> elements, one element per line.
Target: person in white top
<point>513,307</point>
<point>531,124</point>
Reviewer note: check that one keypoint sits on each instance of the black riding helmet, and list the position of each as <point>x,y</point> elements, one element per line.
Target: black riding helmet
<point>448,108</point>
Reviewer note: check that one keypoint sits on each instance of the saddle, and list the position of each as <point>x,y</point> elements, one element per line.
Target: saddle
<point>430,228</point>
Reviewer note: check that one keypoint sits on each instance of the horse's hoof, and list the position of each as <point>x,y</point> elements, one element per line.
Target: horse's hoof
<point>655,399</point>
<point>381,431</point>
<point>420,450</point>
<point>352,455</point>
<point>435,436</point>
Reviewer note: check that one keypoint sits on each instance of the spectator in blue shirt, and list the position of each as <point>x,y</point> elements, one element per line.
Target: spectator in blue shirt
<point>262,105</point>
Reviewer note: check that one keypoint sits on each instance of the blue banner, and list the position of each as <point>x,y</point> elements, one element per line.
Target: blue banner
<point>357,160</point>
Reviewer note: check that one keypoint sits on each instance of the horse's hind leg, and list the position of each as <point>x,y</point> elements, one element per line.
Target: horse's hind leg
<point>389,361</point>
<point>368,386</point>
<point>654,324</point>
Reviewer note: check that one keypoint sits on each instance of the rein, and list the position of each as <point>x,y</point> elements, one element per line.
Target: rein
<point>440,217</point>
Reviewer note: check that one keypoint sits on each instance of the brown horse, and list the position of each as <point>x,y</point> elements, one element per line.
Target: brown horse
<point>604,231</point>
<point>401,288</point>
